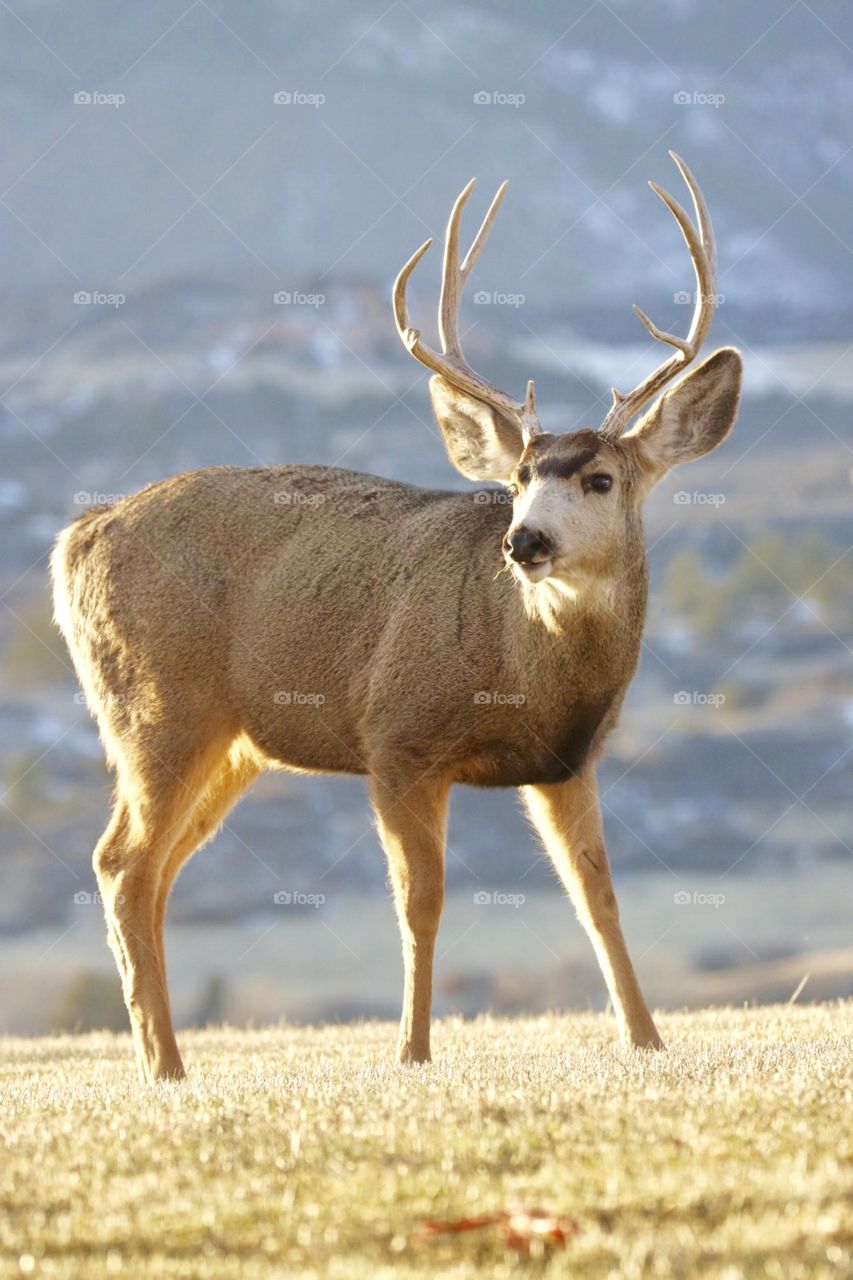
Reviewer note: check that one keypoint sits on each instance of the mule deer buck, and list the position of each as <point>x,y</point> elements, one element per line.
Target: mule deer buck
<point>189,607</point>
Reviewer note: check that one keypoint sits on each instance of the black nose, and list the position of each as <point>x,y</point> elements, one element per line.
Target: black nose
<point>526,546</point>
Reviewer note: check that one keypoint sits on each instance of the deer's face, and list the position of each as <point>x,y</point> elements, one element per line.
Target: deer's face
<point>574,503</point>
<point>576,496</point>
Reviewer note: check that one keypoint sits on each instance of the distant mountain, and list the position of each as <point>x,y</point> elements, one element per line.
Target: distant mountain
<point>198,170</point>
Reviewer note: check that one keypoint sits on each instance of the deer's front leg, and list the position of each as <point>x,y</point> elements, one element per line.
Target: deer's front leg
<point>412,818</point>
<point>568,819</point>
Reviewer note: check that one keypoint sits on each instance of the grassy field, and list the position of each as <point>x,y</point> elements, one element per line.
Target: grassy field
<point>306,1152</point>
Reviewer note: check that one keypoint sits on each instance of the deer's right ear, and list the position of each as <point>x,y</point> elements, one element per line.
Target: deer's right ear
<point>481,442</point>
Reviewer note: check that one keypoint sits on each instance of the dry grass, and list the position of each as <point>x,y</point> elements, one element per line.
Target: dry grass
<point>305,1152</point>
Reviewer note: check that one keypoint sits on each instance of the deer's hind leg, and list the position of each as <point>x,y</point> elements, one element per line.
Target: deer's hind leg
<point>157,791</point>
<point>234,774</point>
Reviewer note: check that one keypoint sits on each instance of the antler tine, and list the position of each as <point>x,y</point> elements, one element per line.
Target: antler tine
<point>485,227</point>
<point>455,273</point>
<point>452,280</point>
<point>703,217</point>
<point>410,336</point>
<point>451,363</point>
<point>703,255</point>
<point>703,270</point>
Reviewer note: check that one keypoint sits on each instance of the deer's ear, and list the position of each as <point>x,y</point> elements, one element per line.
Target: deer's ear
<point>693,418</point>
<point>481,443</point>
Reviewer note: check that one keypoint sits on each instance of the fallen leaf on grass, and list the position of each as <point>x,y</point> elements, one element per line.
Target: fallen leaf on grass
<point>518,1225</point>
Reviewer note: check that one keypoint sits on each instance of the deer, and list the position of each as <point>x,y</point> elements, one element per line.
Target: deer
<point>231,620</point>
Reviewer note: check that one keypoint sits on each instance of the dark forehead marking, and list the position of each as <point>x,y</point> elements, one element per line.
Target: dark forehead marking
<point>536,445</point>
<point>563,468</point>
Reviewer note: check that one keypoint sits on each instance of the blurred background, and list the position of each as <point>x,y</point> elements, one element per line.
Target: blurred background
<point>203,208</point>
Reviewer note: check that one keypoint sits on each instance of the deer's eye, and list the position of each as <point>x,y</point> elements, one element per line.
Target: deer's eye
<point>599,483</point>
<point>522,475</point>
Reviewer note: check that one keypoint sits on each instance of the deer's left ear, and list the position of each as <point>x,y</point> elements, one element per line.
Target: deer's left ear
<point>691,419</point>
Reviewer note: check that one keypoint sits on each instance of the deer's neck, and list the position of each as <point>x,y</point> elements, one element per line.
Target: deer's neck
<point>581,640</point>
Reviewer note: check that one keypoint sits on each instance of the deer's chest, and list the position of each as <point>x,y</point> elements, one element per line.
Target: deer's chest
<point>536,749</point>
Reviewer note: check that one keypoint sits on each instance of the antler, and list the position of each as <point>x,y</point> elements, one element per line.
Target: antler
<point>703,252</point>
<point>451,364</point>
